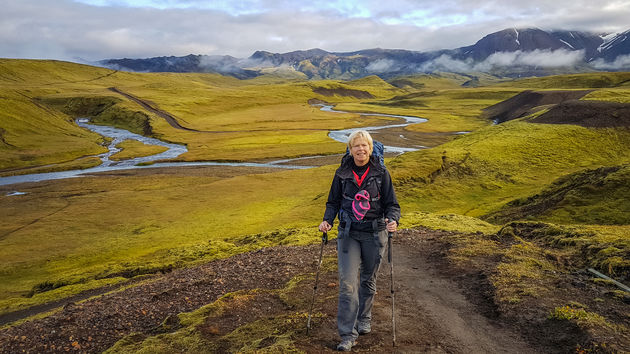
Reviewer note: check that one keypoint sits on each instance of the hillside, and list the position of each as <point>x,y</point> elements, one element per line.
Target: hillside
<point>243,120</point>
<point>591,196</point>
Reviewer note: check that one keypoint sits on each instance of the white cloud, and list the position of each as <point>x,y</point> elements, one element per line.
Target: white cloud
<point>115,28</point>
<point>621,62</point>
<point>539,58</point>
<point>381,66</point>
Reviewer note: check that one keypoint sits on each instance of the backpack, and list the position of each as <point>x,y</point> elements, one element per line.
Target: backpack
<point>377,154</point>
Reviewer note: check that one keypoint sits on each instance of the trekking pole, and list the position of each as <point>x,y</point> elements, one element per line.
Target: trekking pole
<point>391,283</point>
<point>319,263</point>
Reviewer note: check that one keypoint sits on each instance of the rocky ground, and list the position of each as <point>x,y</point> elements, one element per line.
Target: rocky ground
<point>439,307</point>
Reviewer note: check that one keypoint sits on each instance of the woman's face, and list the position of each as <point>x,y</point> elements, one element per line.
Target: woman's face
<point>360,151</point>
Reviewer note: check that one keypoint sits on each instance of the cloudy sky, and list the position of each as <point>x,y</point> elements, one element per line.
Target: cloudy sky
<point>100,29</point>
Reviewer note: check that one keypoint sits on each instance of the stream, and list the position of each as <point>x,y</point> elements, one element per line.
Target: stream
<point>174,150</point>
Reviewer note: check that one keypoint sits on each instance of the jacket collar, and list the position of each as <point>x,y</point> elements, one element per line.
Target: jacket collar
<point>345,170</point>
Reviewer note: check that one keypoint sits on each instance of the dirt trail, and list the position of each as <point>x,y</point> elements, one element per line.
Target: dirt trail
<point>168,117</point>
<point>433,314</point>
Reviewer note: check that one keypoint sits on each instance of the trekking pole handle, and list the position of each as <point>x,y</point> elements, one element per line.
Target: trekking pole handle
<point>325,237</point>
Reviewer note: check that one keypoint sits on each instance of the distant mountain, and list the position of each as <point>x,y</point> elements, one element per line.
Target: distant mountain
<point>528,40</point>
<point>510,52</point>
<point>614,46</point>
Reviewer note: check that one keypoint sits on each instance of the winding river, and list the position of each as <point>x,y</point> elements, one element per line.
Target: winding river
<point>174,150</point>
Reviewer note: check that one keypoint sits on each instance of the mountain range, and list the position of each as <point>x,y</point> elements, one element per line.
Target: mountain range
<point>511,52</point>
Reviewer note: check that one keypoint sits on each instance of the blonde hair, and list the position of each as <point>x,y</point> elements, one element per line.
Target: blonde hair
<point>361,134</point>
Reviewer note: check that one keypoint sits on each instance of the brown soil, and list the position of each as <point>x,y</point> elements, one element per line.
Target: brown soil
<point>97,324</point>
<point>528,102</point>
<point>597,114</point>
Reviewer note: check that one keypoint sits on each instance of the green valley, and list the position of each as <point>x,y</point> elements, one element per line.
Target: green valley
<point>529,198</point>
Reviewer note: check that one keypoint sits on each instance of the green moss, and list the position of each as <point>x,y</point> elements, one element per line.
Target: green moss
<point>272,334</point>
<point>447,222</point>
<point>581,317</point>
<point>591,196</point>
<point>602,247</point>
<point>524,271</point>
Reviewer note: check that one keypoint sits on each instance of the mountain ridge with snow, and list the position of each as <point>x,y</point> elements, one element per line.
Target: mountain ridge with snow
<point>509,52</point>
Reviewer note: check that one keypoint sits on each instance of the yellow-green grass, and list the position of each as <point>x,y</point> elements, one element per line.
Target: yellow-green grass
<point>574,81</point>
<point>526,262</point>
<point>448,110</point>
<point>447,222</point>
<point>479,172</point>
<point>533,254</point>
<point>590,196</point>
<point>583,318</point>
<point>134,148</point>
<point>199,101</point>
<point>34,135</point>
<point>281,328</point>
<point>443,80</point>
<point>619,95</point>
<point>77,231</point>
<point>78,164</point>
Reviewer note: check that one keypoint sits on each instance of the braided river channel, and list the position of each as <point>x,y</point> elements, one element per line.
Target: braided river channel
<point>174,150</point>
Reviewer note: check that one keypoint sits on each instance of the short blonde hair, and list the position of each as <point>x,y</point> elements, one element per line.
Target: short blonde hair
<point>361,134</point>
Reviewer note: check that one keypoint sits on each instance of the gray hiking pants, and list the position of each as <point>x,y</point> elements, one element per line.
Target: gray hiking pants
<point>358,259</point>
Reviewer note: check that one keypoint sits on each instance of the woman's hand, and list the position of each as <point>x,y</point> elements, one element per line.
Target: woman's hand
<point>324,226</point>
<point>391,226</point>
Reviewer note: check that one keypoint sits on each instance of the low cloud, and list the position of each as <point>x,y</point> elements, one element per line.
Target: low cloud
<point>382,66</point>
<point>621,62</point>
<point>538,58</point>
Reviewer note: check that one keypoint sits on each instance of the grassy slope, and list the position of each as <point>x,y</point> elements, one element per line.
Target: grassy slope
<point>198,101</point>
<point>491,166</point>
<point>33,135</point>
<point>152,222</point>
<point>439,97</point>
<point>591,196</point>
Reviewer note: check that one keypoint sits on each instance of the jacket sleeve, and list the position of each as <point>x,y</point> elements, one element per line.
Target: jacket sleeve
<point>389,202</point>
<point>334,200</point>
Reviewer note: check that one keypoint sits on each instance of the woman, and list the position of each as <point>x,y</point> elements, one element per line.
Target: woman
<point>363,196</point>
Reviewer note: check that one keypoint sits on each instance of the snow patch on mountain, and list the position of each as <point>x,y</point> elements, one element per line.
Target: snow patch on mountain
<point>567,43</point>
<point>608,41</point>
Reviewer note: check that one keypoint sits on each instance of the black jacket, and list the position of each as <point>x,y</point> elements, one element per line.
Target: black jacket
<point>378,183</point>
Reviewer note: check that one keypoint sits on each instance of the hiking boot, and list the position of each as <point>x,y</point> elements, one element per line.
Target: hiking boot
<point>346,345</point>
<point>364,328</point>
